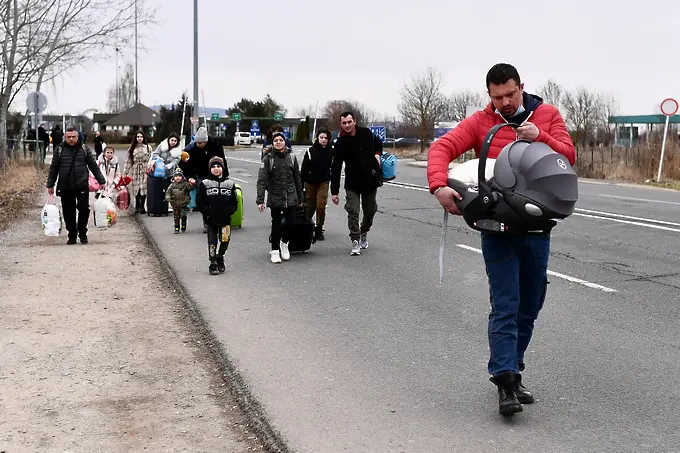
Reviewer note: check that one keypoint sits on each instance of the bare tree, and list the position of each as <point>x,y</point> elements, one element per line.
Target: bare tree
<point>45,38</point>
<point>552,93</point>
<point>304,112</point>
<point>125,98</point>
<point>335,108</point>
<point>608,106</point>
<point>457,104</point>
<point>422,103</point>
<point>581,109</point>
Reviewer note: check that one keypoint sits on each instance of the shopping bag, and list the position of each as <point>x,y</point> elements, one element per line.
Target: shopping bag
<point>50,217</point>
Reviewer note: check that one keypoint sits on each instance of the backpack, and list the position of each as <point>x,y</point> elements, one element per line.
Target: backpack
<point>271,161</point>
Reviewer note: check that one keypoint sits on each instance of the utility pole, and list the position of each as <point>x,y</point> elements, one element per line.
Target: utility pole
<point>195,112</point>
<point>136,60</point>
<point>117,82</point>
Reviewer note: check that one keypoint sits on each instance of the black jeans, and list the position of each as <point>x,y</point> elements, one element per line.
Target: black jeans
<point>214,238</point>
<point>70,201</point>
<point>279,231</point>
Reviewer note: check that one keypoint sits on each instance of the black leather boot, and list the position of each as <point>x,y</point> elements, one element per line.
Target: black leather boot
<point>142,200</point>
<point>318,233</point>
<point>523,394</point>
<point>508,404</point>
<point>137,203</point>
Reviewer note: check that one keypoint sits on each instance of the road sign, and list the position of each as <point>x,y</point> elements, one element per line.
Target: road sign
<point>254,127</point>
<point>215,116</point>
<point>36,102</point>
<point>286,132</point>
<point>194,120</point>
<point>669,107</point>
<point>278,117</point>
<point>380,132</point>
<point>236,116</point>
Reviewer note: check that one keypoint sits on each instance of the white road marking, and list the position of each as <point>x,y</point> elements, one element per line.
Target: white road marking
<point>239,180</point>
<point>646,225</point>
<point>643,219</point>
<point>556,274</point>
<point>641,199</point>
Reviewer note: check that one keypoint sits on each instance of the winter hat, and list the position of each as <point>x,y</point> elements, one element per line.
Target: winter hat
<point>278,134</point>
<point>216,161</point>
<point>201,135</point>
<point>178,172</point>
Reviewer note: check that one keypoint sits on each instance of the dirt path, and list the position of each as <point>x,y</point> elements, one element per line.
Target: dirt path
<point>97,355</point>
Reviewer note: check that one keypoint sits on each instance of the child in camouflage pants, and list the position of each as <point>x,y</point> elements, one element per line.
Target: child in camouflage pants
<point>179,198</point>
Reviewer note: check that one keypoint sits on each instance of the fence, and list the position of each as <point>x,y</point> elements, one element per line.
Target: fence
<point>636,164</point>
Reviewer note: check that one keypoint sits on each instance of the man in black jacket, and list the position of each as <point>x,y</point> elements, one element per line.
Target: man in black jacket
<point>71,161</point>
<point>360,151</point>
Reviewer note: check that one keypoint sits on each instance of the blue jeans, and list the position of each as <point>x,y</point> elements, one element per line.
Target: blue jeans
<point>517,271</point>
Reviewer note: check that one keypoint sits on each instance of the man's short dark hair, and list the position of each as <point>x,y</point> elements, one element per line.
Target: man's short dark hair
<point>346,114</point>
<point>71,129</point>
<point>502,73</point>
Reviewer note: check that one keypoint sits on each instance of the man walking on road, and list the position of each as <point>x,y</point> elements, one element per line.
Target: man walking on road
<point>516,266</point>
<point>71,161</point>
<point>360,151</point>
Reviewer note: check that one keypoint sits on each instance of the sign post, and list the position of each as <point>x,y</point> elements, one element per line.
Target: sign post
<point>669,107</point>
<point>215,116</point>
<point>36,102</point>
<point>255,128</point>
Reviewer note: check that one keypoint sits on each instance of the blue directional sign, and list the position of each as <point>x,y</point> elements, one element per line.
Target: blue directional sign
<point>380,132</point>
<point>254,127</point>
<point>286,132</point>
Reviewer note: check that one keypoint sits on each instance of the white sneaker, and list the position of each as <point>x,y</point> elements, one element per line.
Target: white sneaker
<point>275,256</point>
<point>285,253</point>
<point>364,241</point>
<point>356,249</point>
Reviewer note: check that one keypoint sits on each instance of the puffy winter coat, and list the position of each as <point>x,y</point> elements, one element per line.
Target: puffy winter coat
<point>171,157</point>
<point>197,165</point>
<point>280,177</point>
<point>111,171</point>
<point>216,199</point>
<point>470,134</point>
<point>71,167</point>
<point>178,194</point>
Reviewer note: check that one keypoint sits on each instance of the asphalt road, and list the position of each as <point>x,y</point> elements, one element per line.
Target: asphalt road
<point>371,354</point>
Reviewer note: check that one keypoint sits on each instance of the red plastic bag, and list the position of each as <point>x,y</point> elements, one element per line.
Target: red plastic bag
<point>123,199</point>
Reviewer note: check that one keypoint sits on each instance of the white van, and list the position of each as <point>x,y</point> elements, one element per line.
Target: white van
<point>242,138</point>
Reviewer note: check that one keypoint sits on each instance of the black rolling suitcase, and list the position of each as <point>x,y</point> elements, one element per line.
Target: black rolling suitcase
<point>156,204</point>
<point>301,233</point>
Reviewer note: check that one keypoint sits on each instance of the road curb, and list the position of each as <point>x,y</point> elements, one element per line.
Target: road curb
<point>253,411</point>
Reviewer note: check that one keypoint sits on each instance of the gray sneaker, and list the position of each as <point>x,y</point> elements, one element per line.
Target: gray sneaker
<point>364,241</point>
<point>356,249</point>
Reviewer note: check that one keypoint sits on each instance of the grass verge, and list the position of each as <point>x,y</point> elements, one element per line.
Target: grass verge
<point>19,186</point>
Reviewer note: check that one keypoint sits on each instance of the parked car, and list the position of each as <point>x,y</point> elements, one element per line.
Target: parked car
<point>243,138</point>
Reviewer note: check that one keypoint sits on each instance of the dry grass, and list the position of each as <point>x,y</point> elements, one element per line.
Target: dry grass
<point>637,164</point>
<point>20,184</point>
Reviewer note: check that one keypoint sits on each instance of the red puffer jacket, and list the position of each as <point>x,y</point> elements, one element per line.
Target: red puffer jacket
<point>470,133</point>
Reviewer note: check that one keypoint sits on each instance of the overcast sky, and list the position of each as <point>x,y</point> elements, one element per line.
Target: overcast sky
<point>301,51</point>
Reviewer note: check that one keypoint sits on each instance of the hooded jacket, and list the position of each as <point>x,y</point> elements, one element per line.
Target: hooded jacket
<point>71,167</point>
<point>216,199</point>
<point>178,192</point>
<point>111,171</point>
<point>280,177</point>
<point>316,165</point>
<point>196,166</point>
<point>471,132</point>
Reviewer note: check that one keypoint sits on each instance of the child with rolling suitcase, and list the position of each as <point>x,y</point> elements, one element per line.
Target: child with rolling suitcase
<point>179,198</point>
<point>216,199</point>
<point>280,177</point>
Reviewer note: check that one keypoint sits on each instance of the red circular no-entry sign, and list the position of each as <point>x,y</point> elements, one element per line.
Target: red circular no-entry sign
<point>669,107</point>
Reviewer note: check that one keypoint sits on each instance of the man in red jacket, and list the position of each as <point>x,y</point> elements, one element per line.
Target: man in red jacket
<point>516,266</point>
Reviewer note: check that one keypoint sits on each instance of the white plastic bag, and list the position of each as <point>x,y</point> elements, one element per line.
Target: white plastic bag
<point>101,208</point>
<point>51,217</point>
